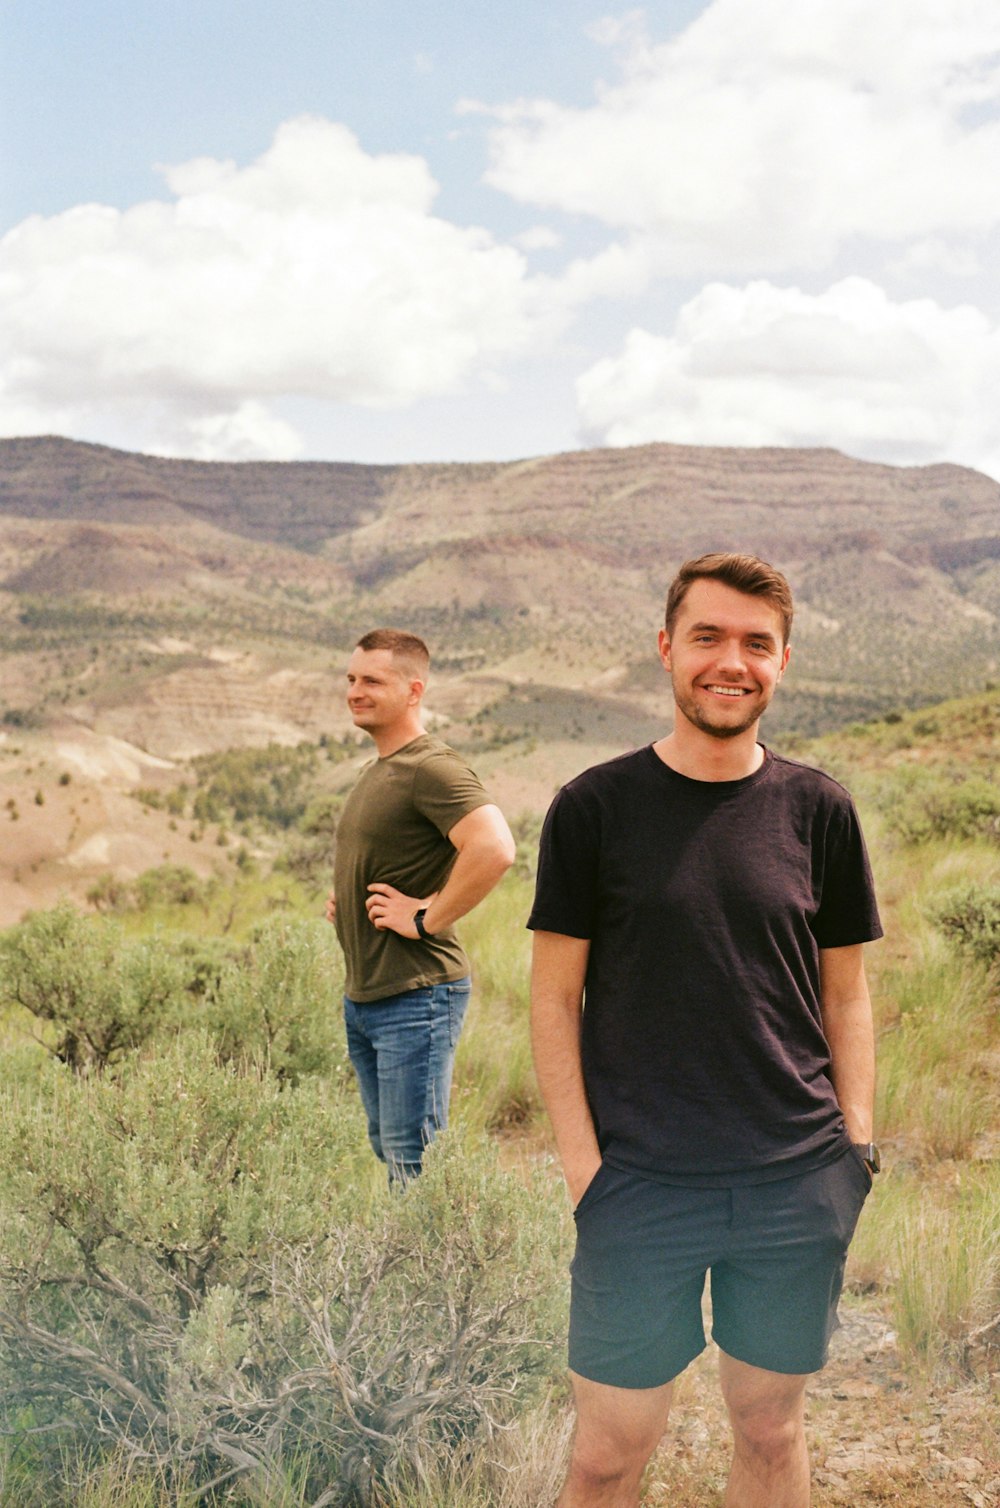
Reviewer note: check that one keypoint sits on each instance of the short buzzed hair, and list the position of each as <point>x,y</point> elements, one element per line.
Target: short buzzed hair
<point>405,647</point>
<point>744,573</point>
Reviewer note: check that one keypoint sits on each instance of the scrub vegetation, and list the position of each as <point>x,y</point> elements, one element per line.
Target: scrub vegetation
<point>207,1295</point>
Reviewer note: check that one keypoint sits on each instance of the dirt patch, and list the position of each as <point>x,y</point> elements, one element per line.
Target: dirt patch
<point>68,818</point>
<point>877,1433</point>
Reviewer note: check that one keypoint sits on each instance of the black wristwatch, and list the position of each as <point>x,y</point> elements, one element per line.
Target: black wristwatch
<point>418,922</point>
<point>868,1152</point>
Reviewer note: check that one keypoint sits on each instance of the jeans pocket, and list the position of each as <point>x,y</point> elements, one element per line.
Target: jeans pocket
<point>458,1004</point>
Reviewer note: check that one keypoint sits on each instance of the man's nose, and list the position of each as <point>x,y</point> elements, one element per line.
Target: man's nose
<point>731,657</point>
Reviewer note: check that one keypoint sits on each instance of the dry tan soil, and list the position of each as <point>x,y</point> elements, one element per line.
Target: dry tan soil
<point>878,1435</point>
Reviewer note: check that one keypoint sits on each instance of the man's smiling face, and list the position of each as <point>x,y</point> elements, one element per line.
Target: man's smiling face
<point>725,657</point>
<point>379,694</point>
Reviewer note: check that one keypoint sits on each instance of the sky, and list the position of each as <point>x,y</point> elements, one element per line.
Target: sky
<point>418,230</point>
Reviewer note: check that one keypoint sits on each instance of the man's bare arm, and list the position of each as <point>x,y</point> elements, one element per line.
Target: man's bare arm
<point>486,851</point>
<point>847,1022</point>
<point>558,971</point>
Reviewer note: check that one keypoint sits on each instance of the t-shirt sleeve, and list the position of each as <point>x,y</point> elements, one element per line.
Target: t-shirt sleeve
<point>566,888</point>
<point>848,911</point>
<point>445,790</point>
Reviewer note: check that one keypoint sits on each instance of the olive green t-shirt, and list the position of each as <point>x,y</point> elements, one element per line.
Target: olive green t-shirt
<point>394,829</point>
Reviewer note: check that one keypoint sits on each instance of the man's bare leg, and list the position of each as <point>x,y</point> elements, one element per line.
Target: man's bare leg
<point>770,1459</point>
<point>617,1430</point>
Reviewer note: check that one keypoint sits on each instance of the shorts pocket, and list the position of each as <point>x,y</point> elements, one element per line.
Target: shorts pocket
<point>862,1168</point>
<point>591,1192</point>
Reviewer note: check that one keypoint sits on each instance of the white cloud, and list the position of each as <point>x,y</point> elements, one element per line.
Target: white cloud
<point>761,365</point>
<point>539,238</point>
<point>934,255</point>
<point>248,430</point>
<point>767,136</point>
<point>317,270</point>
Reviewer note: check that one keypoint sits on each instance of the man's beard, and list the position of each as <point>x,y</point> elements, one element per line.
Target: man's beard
<point>724,730</point>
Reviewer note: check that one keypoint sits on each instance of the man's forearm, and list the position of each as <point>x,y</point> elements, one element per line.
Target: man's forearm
<point>558,968</point>
<point>850,1035</point>
<point>477,868</point>
<point>851,1038</point>
<point>484,851</point>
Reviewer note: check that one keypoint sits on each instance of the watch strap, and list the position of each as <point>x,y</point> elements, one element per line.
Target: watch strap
<point>869,1153</point>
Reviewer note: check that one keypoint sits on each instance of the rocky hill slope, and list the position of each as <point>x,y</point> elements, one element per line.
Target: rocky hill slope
<point>185,606</point>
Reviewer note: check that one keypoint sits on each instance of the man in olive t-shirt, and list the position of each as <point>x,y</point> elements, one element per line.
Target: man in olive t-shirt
<point>419,844</point>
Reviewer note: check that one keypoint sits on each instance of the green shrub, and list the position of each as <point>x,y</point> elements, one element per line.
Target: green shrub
<point>166,885</point>
<point>171,885</point>
<point>111,893</point>
<point>970,914</point>
<point>309,859</point>
<point>320,817</point>
<point>309,853</point>
<point>922,804</point>
<point>278,1000</point>
<point>103,995</point>
<point>200,1282</point>
<point>148,796</point>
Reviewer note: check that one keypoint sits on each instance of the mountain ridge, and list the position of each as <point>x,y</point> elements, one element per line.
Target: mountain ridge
<point>548,572</point>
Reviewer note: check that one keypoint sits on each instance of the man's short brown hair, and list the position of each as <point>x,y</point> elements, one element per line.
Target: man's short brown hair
<point>407,648</point>
<point>744,573</point>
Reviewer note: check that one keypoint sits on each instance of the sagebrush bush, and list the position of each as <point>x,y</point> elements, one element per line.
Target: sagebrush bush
<point>104,995</point>
<point>165,885</point>
<point>970,915</point>
<point>196,1266</point>
<point>921,804</point>
<point>279,1000</point>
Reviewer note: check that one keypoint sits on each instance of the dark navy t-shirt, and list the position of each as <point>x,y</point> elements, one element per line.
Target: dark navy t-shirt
<point>706,904</point>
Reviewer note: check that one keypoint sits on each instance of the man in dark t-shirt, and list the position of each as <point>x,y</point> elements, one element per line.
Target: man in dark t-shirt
<point>419,843</point>
<point>703,1041</point>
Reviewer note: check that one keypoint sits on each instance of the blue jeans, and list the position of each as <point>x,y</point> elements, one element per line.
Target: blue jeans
<point>403,1051</point>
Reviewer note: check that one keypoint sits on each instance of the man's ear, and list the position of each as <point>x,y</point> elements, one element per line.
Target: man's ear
<point>663,644</point>
<point>786,655</point>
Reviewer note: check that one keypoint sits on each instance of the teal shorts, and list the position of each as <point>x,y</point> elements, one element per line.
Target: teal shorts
<point>774,1254</point>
